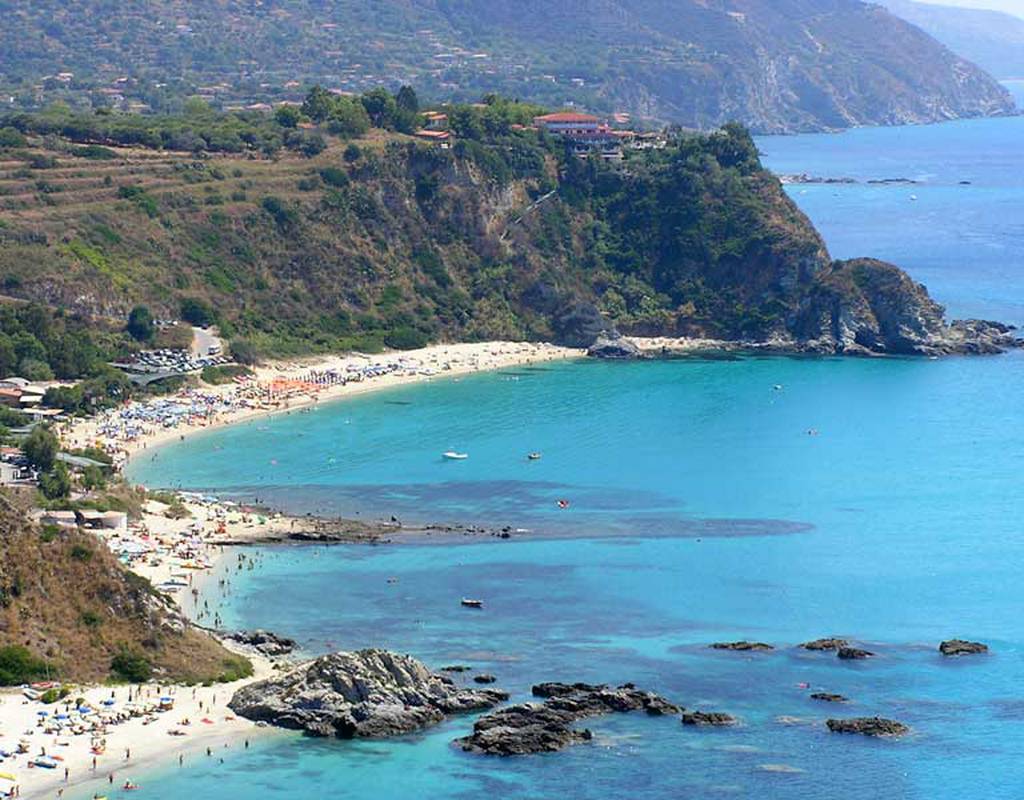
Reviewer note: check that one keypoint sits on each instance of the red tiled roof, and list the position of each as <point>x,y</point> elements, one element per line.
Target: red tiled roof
<point>566,116</point>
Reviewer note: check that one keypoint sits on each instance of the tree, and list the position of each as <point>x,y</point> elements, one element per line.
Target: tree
<point>380,106</point>
<point>348,118</point>
<point>55,484</point>
<point>40,448</point>
<point>407,100</point>
<point>140,324</point>
<point>318,103</point>
<point>288,116</point>
<point>197,312</point>
<point>353,153</point>
<point>243,352</point>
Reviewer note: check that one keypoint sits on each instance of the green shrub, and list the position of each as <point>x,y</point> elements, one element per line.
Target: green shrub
<point>80,552</point>
<point>18,666</point>
<point>131,667</point>
<point>50,696</point>
<point>334,176</point>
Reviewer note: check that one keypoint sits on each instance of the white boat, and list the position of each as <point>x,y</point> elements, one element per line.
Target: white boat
<point>452,455</point>
<point>468,603</point>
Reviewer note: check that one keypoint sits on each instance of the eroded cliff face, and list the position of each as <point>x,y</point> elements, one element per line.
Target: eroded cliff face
<point>868,307</point>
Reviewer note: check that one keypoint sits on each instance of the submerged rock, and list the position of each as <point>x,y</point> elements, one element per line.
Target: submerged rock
<point>484,677</point>
<point>716,718</point>
<point>547,727</point>
<point>868,726</point>
<point>369,693</point>
<point>961,647</point>
<point>741,646</point>
<point>267,643</point>
<point>853,653</point>
<point>828,697</point>
<point>825,644</point>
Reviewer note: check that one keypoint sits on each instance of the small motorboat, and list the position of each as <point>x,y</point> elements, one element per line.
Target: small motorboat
<point>452,455</point>
<point>534,457</point>
<point>468,603</point>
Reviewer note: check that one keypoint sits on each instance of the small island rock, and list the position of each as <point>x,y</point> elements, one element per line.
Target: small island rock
<point>741,646</point>
<point>369,693</point>
<point>702,718</point>
<point>868,726</point>
<point>961,647</point>
<point>825,644</point>
<point>484,677</point>
<point>853,653</point>
<point>828,697</point>
<point>547,727</point>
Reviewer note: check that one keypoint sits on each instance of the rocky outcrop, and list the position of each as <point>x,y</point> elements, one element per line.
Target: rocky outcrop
<point>868,726</point>
<point>961,647</point>
<point>853,653</point>
<point>369,693</point>
<point>614,346</point>
<point>484,677</point>
<point>265,642</point>
<point>708,718</point>
<point>548,727</point>
<point>741,646</point>
<point>827,697</point>
<point>825,644</point>
<point>869,307</point>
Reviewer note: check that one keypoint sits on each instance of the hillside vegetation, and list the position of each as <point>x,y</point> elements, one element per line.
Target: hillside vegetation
<point>385,241</point>
<point>69,611</point>
<point>774,65</point>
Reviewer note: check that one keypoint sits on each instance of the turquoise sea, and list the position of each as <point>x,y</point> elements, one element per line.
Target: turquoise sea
<point>874,499</point>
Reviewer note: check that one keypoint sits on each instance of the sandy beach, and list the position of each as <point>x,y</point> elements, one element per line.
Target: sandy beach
<point>178,553</point>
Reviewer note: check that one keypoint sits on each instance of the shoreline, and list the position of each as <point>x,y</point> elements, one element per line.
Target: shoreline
<point>158,547</point>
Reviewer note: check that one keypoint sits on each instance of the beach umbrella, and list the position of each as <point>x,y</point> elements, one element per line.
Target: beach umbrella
<point>109,701</point>
<point>43,713</point>
<point>63,716</point>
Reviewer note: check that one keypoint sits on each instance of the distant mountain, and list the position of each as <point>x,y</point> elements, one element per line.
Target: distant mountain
<point>776,65</point>
<point>992,39</point>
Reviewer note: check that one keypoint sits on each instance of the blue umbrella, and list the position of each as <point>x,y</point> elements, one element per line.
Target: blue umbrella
<point>43,713</point>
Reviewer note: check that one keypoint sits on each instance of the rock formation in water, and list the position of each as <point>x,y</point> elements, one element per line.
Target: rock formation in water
<point>614,346</point>
<point>868,726</point>
<point>707,718</point>
<point>368,693</point>
<point>825,644</point>
<point>548,727</point>
<point>741,646</point>
<point>961,647</point>
<point>828,697</point>
<point>265,642</point>
<point>853,653</point>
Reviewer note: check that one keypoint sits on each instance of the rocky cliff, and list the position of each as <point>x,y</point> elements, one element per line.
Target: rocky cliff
<point>387,242</point>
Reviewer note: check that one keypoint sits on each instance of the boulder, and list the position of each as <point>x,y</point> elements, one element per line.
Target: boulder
<point>828,697</point>
<point>614,346</point>
<point>853,653</point>
<point>368,693</point>
<point>961,647</point>
<point>825,644</point>
<point>484,677</point>
<point>868,726</point>
<point>702,718</point>
<point>547,727</point>
<point>265,642</point>
<point>741,646</point>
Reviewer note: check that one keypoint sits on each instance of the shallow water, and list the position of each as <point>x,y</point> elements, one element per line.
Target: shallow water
<point>720,517</point>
